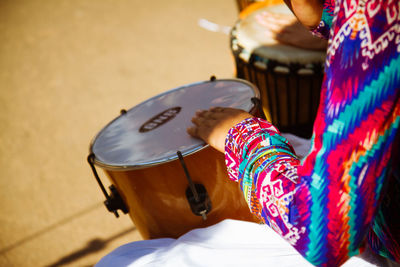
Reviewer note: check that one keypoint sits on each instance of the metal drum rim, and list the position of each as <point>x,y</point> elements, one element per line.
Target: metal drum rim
<point>186,152</point>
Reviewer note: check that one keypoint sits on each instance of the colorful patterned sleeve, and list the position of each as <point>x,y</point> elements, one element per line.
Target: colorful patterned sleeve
<point>253,142</point>
<point>345,193</point>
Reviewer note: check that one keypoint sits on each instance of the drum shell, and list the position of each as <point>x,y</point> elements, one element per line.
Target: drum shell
<point>289,99</point>
<point>156,200</point>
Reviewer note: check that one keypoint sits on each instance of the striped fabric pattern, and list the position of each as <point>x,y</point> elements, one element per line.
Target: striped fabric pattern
<point>345,193</point>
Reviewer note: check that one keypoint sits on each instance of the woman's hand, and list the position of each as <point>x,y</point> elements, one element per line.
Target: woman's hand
<point>213,125</point>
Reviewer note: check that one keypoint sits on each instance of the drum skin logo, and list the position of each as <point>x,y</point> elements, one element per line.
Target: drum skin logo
<point>159,119</point>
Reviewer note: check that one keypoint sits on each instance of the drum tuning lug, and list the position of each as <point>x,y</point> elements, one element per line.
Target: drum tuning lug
<point>123,111</point>
<point>202,205</point>
<point>258,108</point>
<point>255,101</point>
<point>114,201</point>
<point>213,78</point>
<point>196,194</point>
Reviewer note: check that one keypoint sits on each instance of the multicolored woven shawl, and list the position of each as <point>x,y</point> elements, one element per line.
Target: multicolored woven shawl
<point>346,192</point>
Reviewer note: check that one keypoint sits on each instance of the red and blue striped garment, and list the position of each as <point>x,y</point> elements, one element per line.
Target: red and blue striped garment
<point>346,193</point>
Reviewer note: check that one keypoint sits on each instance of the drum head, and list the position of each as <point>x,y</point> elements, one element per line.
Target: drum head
<point>250,36</point>
<point>153,131</point>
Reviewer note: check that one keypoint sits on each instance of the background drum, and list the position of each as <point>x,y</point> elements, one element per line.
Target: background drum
<point>242,4</point>
<point>289,78</point>
<point>139,153</point>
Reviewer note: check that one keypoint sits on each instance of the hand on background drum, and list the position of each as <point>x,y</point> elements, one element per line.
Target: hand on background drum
<point>213,125</point>
<point>285,28</point>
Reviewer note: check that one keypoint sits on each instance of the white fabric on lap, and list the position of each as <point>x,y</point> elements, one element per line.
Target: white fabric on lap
<point>228,243</point>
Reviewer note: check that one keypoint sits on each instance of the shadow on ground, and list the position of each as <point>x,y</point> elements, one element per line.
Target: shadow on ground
<point>92,246</point>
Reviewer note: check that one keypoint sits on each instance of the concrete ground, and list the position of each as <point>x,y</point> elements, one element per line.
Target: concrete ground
<point>66,69</point>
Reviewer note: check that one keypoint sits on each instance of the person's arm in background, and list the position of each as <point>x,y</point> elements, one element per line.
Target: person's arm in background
<point>316,15</point>
<point>308,12</point>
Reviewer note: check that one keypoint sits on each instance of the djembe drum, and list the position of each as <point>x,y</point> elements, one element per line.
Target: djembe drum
<point>289,78</point>
<point>168,181</point>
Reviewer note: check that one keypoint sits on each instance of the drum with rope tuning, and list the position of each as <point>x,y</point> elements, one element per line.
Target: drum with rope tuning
<point>168,181</point>
<point>289,78</point>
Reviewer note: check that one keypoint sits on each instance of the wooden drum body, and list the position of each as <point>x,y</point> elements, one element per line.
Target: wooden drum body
<point>156,196</point>
<point>138,152</point>
<point>289,78</point>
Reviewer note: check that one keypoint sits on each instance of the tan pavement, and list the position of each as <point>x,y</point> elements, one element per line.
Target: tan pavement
<point>66,70</point>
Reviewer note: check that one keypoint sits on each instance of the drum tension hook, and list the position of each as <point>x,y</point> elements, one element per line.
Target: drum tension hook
<point>114,201</point>
<point>196,194</point>
<point>258,107</point>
